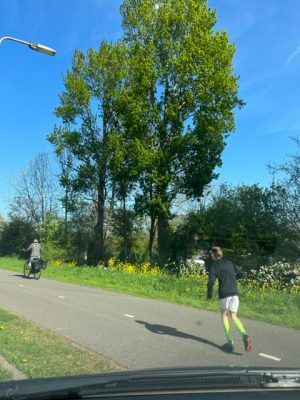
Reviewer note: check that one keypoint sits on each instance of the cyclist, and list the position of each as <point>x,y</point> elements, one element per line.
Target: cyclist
<point>35,252</point>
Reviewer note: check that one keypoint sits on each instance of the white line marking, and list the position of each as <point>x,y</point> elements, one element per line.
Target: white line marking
<point>61,297</point>
<point>128,315</point>
<point>270,357</point>
<point>21,285</point>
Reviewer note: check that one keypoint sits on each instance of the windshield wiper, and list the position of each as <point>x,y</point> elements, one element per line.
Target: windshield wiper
<point>279,380</point>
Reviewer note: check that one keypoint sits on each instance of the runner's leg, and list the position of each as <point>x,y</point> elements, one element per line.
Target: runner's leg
<point>240,327</point>
<point>226,326</point>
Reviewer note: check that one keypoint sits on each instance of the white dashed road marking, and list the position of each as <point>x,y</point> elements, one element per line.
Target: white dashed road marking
<point>21,285</point>
<point>270,357</point>
<point>61,297</point>
<point>128,316</point>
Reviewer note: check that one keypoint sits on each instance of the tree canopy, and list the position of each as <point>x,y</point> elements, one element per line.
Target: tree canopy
<point>148,116</point>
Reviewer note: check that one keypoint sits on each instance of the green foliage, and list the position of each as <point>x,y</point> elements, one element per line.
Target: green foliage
<point>1,223</point>
<point>149,115</point>
<point>123,229</point>
<point>16,235</point>
<point>243,220</point>
<point>87,112</point>
<point>189,235</point>
<point>52,238</point>
<point>50,230</point>
<point>185,91</point>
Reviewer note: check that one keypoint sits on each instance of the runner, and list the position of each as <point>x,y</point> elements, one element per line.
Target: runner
<point>227,273</point>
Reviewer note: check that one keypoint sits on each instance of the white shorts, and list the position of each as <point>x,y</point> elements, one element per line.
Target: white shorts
<point>230,303</point>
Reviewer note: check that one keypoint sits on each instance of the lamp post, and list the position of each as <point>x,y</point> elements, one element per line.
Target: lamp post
<point>33,46</point>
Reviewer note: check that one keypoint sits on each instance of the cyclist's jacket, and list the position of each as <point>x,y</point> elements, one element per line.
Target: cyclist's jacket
<point>227,273</point>
<point>35,249</point>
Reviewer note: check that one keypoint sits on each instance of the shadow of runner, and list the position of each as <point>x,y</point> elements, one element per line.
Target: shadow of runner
<point>167,330</point>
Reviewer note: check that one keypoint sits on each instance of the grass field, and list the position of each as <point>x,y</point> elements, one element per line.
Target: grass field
<point>276,307</point>
<point>22,343</point>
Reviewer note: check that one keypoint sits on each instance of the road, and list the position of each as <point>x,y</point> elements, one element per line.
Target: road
<point>141,333</point>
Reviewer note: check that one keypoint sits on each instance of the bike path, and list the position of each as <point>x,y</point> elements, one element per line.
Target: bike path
<point>142,333</point>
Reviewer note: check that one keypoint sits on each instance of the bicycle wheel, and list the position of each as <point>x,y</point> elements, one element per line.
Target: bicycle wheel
<point>37,274</point>
<point>27,269</point>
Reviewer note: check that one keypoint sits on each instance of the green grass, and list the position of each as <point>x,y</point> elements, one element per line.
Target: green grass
<point>5,375</point>
<point>38,353</point>
<point>275,307</point>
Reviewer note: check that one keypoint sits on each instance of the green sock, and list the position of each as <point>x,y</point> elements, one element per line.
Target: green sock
<point>239,326</point>
<point>227,330</point>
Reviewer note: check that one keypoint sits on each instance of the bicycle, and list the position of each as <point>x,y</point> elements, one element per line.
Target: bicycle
<point>34,268</point>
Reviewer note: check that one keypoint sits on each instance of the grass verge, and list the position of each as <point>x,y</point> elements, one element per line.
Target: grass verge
<point>5,375</point>
<point>276,307</point>
<point>38,353</point>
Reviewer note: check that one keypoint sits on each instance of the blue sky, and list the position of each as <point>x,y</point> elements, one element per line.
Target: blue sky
<point>267,38</point>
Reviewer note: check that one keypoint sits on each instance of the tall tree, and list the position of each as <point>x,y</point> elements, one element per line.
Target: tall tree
<point>35,191</point>
<point>69,200</point>
<point>181,93</point>
<point>88,120</point>
<point>16,235</point>
<point>286,202</point>
<point>1,223</point>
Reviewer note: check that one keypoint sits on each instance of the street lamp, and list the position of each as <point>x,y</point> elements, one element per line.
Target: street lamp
<point>33,46</point>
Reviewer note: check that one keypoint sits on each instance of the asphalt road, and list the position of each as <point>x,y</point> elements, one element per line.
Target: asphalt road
<point>141,333</point>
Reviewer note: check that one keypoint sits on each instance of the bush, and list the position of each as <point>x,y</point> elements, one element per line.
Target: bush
<point>280,275</point>
<point>51,252</point>
<point>139,269</point>
<point>191,269</point>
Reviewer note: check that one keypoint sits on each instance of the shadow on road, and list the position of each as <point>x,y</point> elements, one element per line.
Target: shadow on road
<point>167,330</point>
<point>23,276</point>
<point>20,276</point>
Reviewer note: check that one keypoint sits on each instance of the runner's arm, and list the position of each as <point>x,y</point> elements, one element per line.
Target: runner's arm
<point>238,272</point>
<point>211,280</point>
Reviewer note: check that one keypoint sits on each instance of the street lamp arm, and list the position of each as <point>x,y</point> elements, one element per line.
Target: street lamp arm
<point>33,46</point>
<point>14,39</point>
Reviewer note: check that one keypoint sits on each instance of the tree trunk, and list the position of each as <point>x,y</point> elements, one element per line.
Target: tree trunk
<point>151,237</point>
<point>96,249</point>
<point>125,231</point>
<point>66,216</point>
<point>162,225</point>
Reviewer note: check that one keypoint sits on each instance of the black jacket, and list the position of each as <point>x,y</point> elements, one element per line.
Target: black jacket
<point>227,273</point>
